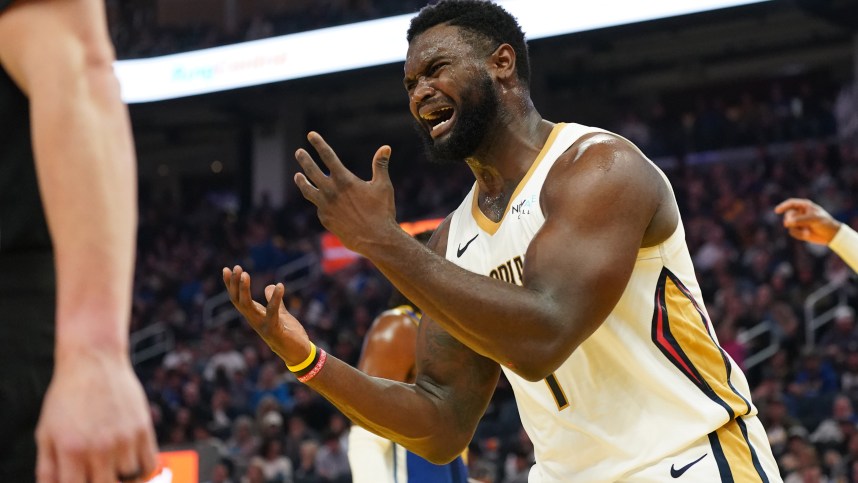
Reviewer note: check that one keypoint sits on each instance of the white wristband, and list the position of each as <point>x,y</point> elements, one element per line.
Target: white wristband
<point>845,245</point>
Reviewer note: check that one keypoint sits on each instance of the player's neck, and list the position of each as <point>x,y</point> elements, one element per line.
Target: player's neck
<point>505,159</point>
<point>510,150</point>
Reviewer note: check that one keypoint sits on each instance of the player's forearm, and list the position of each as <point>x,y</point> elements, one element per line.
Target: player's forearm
<point>515,326</point>
<point>403,413</point>
<point>87,176</point>
<point>845,245</point>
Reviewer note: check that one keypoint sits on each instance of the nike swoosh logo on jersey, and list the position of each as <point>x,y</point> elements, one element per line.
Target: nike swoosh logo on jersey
<point>461,249</point>
<point>676,473</point>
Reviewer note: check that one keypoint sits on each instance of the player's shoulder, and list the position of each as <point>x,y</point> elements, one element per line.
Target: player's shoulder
<point>602,158</point>
<point>394,324</point>
<point>601,168</point>
<point>602,150</point>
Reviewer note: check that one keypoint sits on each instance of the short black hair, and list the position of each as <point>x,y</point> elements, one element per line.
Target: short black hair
<point>481,17</point>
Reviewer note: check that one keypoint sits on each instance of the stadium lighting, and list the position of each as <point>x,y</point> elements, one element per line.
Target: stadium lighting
<point>363,44</point>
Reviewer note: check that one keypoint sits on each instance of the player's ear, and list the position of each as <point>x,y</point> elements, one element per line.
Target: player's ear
<point>503,62</point>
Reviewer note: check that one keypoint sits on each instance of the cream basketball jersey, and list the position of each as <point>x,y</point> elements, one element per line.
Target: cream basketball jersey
<point>649,383</point>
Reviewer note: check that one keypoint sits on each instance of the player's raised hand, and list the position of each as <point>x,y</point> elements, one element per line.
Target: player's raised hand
<point>359,212</point>
<point>807,221</point>
<point>282,332</point>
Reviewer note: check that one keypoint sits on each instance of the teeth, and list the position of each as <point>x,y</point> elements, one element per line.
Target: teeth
<point>436,114</point>
<point>440,124</point>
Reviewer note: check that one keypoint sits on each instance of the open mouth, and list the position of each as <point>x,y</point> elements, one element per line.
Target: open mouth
<point>439,120</point>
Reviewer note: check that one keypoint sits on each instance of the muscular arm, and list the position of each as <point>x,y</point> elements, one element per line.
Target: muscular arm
<point>435,417</point>
<point>60,56</point>
<point>599,203</point>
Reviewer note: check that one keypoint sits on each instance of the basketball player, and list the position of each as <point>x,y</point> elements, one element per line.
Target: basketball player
<point>809,222</point>
<point>388,352</point>
<point>565,266</point>
<point>67,256</point>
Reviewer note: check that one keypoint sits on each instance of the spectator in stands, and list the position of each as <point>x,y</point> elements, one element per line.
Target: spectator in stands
<point>222,472</point>
<point>270,423</point>
<point>836,342</point>
<point>192,400</point>
<point>849,374</point>
<point>241,392</point>
<point>243,444</point>
<point>254,472</point>
<point>271,384</point>
<point>846,113</point>
<point>728,338</point>
<point>306,470</point>
<point>778,423</point>
<point>332,462</point>
<point>222,413</point>
<point>297,433</point>
<point>833,431</point>
<point>813,388</point>
<point>276,467</point>
<point>226,358</point>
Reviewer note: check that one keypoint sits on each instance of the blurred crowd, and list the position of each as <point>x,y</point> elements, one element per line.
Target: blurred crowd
<point>137,31</point>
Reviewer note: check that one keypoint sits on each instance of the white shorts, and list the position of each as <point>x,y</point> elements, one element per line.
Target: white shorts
<point>723,456</point>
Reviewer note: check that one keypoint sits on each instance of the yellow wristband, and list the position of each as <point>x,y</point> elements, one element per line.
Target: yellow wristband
<point>307,361</point>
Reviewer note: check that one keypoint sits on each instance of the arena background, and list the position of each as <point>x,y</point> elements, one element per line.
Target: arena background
<point>742,107</point>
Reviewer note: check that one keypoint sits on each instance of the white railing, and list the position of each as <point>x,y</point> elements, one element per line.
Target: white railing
<point>764,328</point>
<point>814,321</point>
<point>150,342</point>
<point>218,310</point>
<point>157,339</point>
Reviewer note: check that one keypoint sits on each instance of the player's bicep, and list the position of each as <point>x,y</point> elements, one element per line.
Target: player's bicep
<point>460,380</point>
<point>597,208</point>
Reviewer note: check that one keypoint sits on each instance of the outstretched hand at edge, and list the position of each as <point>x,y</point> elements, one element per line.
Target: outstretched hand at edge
<point>807,221</point>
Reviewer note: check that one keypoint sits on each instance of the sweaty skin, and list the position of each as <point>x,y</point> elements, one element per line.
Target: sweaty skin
<point>389,347</point>
<point>601,196</point>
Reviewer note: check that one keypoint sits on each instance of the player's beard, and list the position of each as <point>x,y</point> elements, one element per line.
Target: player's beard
<point>475,116</point>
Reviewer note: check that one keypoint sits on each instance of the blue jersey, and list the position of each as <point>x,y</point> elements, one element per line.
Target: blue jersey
<point>418,470</point>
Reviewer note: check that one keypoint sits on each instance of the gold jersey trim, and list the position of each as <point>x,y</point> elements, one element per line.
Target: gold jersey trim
<point>491,227</point>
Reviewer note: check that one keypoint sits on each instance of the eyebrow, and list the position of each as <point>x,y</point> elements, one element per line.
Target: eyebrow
<point>425,65</point>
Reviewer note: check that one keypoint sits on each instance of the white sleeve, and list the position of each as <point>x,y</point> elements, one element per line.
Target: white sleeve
<point>371,457</point>
<point>845,245</point>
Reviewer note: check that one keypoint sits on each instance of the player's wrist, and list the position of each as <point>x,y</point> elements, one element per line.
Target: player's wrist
<point>78,336</point>
<point>74,357</point>
<point>832,228</point>
<point>310,366</point>
<point>299,364</point>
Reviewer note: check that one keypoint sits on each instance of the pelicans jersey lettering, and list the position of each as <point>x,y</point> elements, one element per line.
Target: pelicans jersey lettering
<point>650,396</point>
<point>374,459</point>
